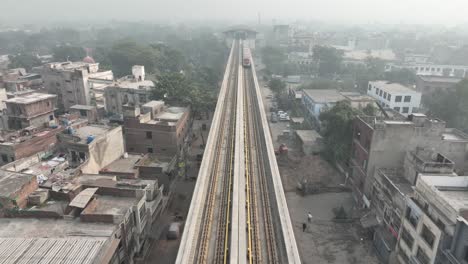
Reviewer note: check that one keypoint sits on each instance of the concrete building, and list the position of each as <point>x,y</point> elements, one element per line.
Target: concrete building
<point>431,85</point>
<point>281,34</point>
<point>90,219</point>
<point>459,71</point>
<point>319,100</point>
<point>24,143</point>
<point>88,112</point>
<point>133,91</point>
<point>390,190</point>
<point>359,101</point>
<point>458,251</point>
<point>156,128</point>
<point>69,81</point>
<point>311,142</point>
<point>431,218</point>
<point>396,96</point>
<point>92,147</point>
<point>34,109</point>
<point>241,32</point>
<point>379,143</point>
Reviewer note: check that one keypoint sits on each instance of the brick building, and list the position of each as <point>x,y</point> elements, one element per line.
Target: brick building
<point>156,128</point>
<point>27,142</point>
<point>379,143</point>
<point>34,109</point>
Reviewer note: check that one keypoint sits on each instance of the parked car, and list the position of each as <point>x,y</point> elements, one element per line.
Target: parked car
<point>274,118</point>
<point>269,96</point>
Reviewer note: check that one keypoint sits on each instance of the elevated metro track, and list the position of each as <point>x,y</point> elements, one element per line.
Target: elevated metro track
<point>238,212</point>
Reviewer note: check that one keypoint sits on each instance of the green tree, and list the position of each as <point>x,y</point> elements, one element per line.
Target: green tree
<point>274,59</point>
<point>337,131</point>
<point>124,54</point>
<point>71,53</point>
<point>369,110</point>
<point>277,86</point>
<point>23,60</point>
<point>328,60</point>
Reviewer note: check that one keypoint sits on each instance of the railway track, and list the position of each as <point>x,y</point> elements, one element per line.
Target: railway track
<point>262,236</point>
<point>218,200</point>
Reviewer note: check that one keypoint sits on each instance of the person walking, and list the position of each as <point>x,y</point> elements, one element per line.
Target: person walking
<point>304,227</point>
<point>309,217</point>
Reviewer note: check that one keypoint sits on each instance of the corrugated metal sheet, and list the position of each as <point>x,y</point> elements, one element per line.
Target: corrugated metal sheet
<point>50,250</point>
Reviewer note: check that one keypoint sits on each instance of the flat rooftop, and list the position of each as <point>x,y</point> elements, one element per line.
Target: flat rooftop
<point>392,87</point>
<point>30,98</point>
<point>324,95</point>
<point>454,190</point>
<point>154,103</point>
<point>397,179</point>
<point>10,182</point>
<point>453,134</point>
<point>132,84</point>
<point>172,113</point>
<point>112,205</point>
<point>83,107</point>
<point>308,136</point>
<point>91,130</point>
<point>439,79</point>
<point>123,165</point>
<point>352,96</point>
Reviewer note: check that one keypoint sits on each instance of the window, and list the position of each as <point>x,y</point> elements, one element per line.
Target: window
<point>422,257</point>
<point>389,97</point>
<point>149,150</point>
<point>377,91</point>
<point>398,98</point>
<point>48,103</point>
<point>405,110</point>
<point>68,81</point>
<point>428,236</point>
<point>380,93</point>
<point>83,112</point>
<point>149,135</point>
<point>370,87</point>
<point>406,236</point>
<point>385,95</point>
<point>407,99</point>
<point>412,216</point>
<point>12,159</point>
<point>397,109</point>
<point>4,158</point>
<point>51,117</point>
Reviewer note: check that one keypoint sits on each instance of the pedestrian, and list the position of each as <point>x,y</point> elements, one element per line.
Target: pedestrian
<point>304,227</point>
<point>309,217</point>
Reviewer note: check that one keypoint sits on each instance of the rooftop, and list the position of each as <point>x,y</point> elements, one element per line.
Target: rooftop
<point>53,241</point>
<point>392,87</point>
<point>171,114</point>
<point>154,103</point>
<point>308,136</point>
<point>352,96</point>
<point>10,182</point>
<point>83,107</point>
<point>91,130</point>
<point>324,95</point>
<point>131,83</point>
<point>123,165</point>
<point>453,134</point>
<point>112,205</point>
<point>30,98</point>
<point>396,178</point>
<point>439,79</point>
<point>385,54</point>
<point>454,190</point>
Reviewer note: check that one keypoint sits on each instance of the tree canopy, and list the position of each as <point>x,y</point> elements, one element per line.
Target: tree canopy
<point>24,60</point>
<point>328,60</point>
<point>71,53</point>
<point>337,131</point>
<point>450,105</point>
<point>274,59</point>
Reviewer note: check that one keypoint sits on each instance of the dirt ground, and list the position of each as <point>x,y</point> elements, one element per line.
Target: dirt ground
<point>325,240</point>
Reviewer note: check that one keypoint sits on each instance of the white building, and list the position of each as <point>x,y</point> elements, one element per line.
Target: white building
<point>430,219</point>
<point>318,100</point>
<point>395,96</point>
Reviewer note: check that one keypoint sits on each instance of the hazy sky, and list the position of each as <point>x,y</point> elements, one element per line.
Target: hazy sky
<point>448,12</point>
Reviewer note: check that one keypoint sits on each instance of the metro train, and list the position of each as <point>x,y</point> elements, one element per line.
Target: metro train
<point>246,57</point>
